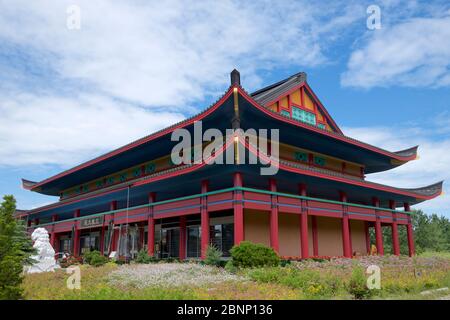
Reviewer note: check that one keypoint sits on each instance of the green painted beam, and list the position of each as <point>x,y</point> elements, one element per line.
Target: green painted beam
<point>198,195</point>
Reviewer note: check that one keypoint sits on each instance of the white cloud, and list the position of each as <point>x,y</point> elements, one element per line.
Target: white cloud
<point>36,130</point>
<point>70,94</point>
<point>414,52</point>
<point>432,165</point>
<point>172,52</point>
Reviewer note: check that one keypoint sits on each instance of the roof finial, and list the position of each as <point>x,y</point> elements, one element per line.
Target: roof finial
<point>235,78</point>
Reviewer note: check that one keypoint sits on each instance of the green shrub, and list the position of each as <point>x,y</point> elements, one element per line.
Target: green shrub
<point>69,261</point>
<point>312,283</point>
<point>249,255</point>
<point>143,257</point>
<point>357,286</point>
<point>95,258</point>
<point>230,267</point>
<point>285,263</point>
<point>212,256</point>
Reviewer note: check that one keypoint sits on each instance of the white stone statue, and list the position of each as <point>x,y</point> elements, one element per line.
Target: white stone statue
<point>45,258</point>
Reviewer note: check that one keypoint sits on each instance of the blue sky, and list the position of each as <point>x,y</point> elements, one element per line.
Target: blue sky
<point>68,95</point>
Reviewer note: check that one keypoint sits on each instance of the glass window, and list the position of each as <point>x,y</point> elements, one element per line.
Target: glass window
<point>301,156</point>
<point>193,242</point>
<point>286,113</point>
<point>123,177</point>
<point>137,172</point>
<point>170,243</point>
<point>319,161</point>
<point>65,246</point>
<point>303,115</point>
<point>128,242</point>
<point>150,168</point>
<point>222,237</point>
<point>90,242</point>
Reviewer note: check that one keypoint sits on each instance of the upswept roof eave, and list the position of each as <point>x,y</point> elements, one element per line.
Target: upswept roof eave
<point>397,155</point>
<point>32,185</point>
<point>425,193</point>
<point>421,193</point>
<point>166,174</point>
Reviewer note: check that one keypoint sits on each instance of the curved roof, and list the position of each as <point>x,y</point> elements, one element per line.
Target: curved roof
<point>124,156</point>
<point>414,196</point>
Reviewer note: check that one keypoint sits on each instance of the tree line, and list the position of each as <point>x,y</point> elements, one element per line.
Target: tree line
<point>431,233</point>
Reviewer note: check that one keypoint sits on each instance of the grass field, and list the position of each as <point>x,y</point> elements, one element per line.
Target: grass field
<point>401,278</point>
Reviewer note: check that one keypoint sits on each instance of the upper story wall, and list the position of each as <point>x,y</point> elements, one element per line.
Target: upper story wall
<point>287,152</point>
<point>299,104</point>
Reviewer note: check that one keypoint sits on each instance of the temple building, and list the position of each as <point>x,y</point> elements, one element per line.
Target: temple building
<point>318,203</point>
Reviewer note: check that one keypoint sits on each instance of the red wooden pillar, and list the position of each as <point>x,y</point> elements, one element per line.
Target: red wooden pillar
<point>151,226</point>
<point>274,243</point>
<point>378,230</point>
<point>76,238</point>
<point>346,242</point>
<point>395,241</point>
<point>204,220</point>
<point>304,223</point>
<point>182,246</point>
<point>409,231</point>
<point>238,210</point>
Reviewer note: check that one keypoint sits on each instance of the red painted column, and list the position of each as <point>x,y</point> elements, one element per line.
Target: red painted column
<point>274,243</point>
<point>346,242</point>
<point>304,223</point>
<point>238,210</point>
<point>378,230</point>
<point>409,231</point>
<point>76,239</point>
<point>182,246</point>
<point>151,226</point>
<point>204,219</point>
<point>367,234</point>
<point>395,241</point>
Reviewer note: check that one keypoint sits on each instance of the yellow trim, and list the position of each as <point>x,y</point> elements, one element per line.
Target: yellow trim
<point>236,104</point>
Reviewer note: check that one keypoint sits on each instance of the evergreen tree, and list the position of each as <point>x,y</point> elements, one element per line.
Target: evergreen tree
<point>16,249</point>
